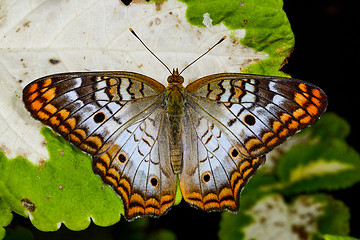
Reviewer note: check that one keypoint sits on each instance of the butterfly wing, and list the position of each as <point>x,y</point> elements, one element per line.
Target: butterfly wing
<point>257,112</point>
<point>118,118</point>
<point>137,165</point>
<point>213,172</point>
<point>231,121</point>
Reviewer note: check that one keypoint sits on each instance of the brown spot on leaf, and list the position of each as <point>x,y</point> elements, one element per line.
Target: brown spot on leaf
<point>28,204</point>
<point>158,6</point>
<point>157,21</point>
<point>41,163</point>
<point>26,24</point>
<point>300,231</point>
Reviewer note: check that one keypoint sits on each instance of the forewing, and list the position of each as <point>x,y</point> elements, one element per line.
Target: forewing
<point>101,113</point>
<point>257,113</point>
<point>214,172</point>
<point>85,108</point>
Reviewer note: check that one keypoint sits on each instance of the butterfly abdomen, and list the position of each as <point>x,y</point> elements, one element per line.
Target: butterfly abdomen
<point>175,112</point>
<point>176,149</point>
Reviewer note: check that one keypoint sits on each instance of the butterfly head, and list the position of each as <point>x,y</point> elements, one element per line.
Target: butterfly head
<point>175,77</point>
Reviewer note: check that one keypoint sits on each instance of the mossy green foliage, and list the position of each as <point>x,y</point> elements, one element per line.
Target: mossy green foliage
<point>63,189</point>
<point>319,160</point>
<point>267,27</point>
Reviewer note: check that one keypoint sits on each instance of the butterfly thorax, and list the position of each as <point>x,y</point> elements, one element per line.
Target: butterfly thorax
<point>174,102</point>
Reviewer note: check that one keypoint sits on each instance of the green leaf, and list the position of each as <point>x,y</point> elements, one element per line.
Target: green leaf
<point>336,217</point>
<point>328,165</point>
<point>271,217</point>
<point>323,162</point>
<point>267,28</point>
<point>61,190</point>
<point>5,215</point>
<point>334,237</point>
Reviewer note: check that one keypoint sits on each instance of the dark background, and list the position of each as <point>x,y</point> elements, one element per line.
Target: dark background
<point>327,38</point>
<point>326,53</point>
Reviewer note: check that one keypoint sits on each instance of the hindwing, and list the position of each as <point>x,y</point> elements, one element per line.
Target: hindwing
<point>214,172</point>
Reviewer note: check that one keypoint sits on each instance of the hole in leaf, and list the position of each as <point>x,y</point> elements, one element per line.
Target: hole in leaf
<point>54,61</point>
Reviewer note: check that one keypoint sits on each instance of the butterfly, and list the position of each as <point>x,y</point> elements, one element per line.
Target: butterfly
<point>209,137</point>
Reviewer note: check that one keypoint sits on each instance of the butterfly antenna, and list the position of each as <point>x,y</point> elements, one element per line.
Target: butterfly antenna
<point>222,39</point>
<point>133,32</point>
